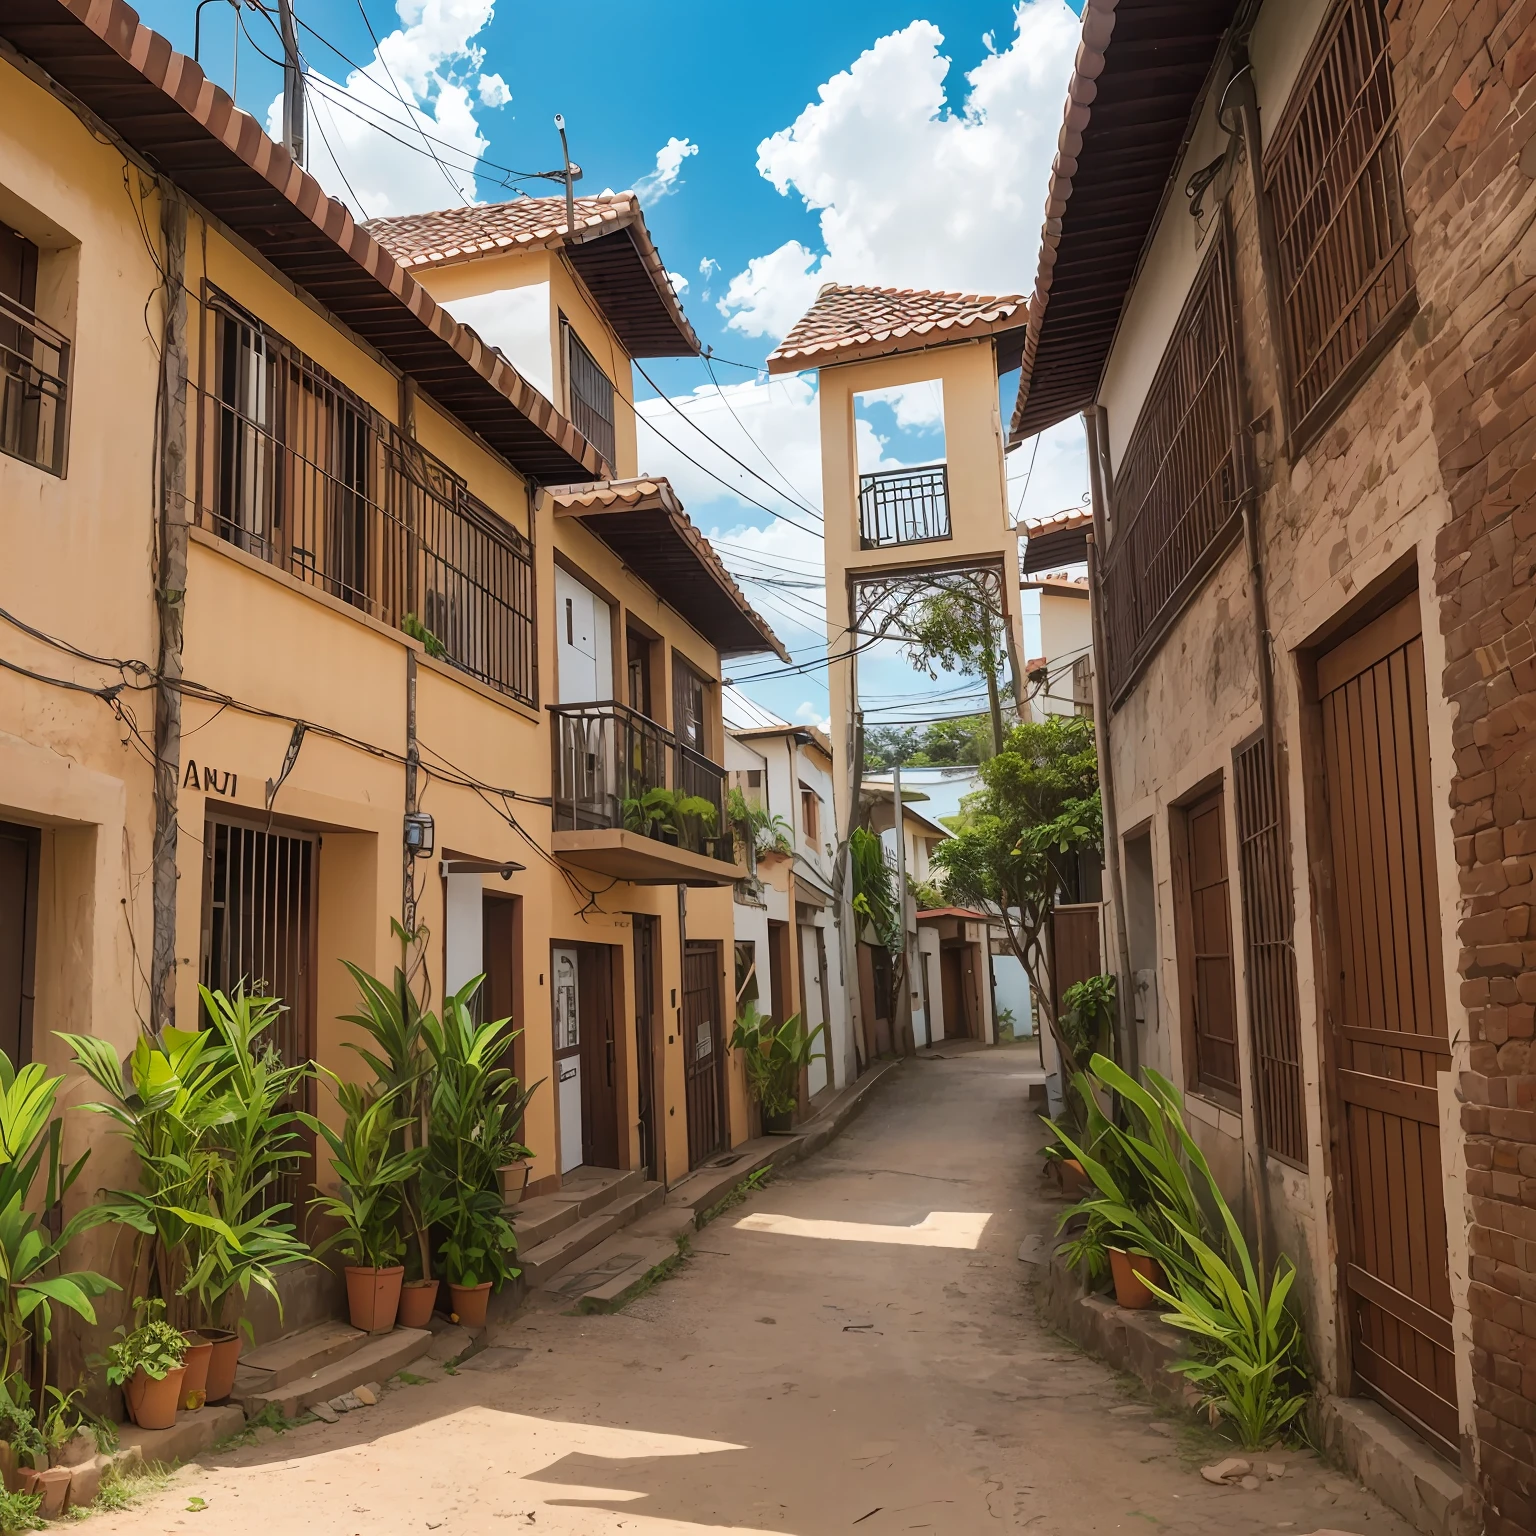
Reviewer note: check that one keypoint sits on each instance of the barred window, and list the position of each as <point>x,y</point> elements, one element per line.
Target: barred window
<point>591,392</point>
<point>1335,185</point>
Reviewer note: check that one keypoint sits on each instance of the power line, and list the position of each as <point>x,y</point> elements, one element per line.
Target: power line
<point>709,368</point>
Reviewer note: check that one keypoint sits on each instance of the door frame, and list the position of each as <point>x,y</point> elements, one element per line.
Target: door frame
<point>32,837</point>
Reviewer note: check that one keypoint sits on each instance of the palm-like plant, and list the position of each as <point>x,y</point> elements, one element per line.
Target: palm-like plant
<point>32,1277</point>
<point>774,1055</point>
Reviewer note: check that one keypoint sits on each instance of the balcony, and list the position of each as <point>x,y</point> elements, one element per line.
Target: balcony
<point>34,387</point>
<point>904,506</point>
<point>634,803</point>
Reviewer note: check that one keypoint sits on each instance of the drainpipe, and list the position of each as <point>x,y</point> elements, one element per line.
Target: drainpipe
<point>1130,1043</point>
<point>170,606</point>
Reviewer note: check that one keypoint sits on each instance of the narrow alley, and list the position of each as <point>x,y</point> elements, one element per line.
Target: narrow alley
<point>750,1391</point>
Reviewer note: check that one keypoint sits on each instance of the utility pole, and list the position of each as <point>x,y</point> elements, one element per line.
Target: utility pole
<point>568,176</point>
<point>907,969</point>
<point>293,85</point>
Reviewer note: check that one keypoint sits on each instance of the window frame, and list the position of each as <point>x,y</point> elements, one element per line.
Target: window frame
<point>577,356</point>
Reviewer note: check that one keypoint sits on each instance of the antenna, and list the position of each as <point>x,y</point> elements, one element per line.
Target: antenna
<point>571,173</point>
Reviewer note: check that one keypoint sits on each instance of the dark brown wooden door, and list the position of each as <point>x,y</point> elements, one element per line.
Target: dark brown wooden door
<point>1074,948</point>
<point>599,1058</point>
<point>645,1038</point>
<point>19,849</point>
<point>499,946</point>
<point>703,1049</point>
<point>1387,1008</point>
<point>952,984</point>
<point>1203,924</point>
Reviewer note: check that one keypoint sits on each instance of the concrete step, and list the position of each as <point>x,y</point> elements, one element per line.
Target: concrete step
<point>549,1258</point>
<point>375,1360</point>
<point>614,1271</point>
<point>589,1189</point>
<point>298,1354</point>
<point>536,1221</point>
<point>191,1433</point>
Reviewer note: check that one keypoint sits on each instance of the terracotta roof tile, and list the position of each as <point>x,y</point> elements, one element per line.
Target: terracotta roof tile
<point>847,323</point>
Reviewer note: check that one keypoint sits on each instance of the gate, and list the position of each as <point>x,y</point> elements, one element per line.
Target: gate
<point>703,1051</point>
<point>1388,1037</point>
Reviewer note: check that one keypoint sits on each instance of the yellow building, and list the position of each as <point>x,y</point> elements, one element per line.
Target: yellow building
<point>402,639</point>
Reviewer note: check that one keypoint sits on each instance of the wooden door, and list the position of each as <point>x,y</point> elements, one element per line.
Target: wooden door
<point>952,984</point>
<point>1388,1024</point>
<point>19,849</point>
<point>599,1058</point>
<point>499,945</point>
<point>1202,896</point>
<point>645,1038</point>
<point>703,1051</point>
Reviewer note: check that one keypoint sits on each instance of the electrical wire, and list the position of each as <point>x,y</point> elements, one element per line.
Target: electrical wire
<point>710,370</point>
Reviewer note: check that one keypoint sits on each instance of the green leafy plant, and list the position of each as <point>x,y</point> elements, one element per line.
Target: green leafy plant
<point>774,1056</point>
<point>152,1346</point>
<point>756,827</point>
<point>874,888</point>
<point>476,1117</point>
<point>419,631</point>
<point>926,894</point>
<point>1087,1251</point>
<point>372,1171</point>
<point>19,1423</point>
<point>19,1512</point>
<point>64,1418</point>
<point>655,812</point>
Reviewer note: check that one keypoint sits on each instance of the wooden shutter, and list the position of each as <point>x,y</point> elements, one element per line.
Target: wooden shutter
<point>1203,915</point>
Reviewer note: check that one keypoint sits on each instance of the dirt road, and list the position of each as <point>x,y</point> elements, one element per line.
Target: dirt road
<point>792,1376</point>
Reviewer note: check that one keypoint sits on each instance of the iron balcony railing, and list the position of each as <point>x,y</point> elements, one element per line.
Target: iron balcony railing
<point>34,387</point>
<point>616,768</point>
<point>904,506</point>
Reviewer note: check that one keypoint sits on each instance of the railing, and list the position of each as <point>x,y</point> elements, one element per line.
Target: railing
<point>300,472</point>
<point>615,768</point>
<point>34,387</point>
<point>904,506</point>
<point>591,397</point>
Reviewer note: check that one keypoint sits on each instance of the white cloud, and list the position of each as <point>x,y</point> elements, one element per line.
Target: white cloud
<point>914,189</point>
<point>1059,477</point>
<point>433,61</point>
<point>708,267</point>
<point>679,283</point>
<point>655,185</point>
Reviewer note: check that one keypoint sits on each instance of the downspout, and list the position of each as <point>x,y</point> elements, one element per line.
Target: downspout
<point>170,606</point>
<point>1130,1043</point>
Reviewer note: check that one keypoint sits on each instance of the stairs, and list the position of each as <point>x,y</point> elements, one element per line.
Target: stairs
<point>556,1232</point>
<point>320,1363</point>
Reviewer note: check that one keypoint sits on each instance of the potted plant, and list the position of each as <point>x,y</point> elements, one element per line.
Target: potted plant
<point>476,1119</point>
<point>367,1212</point>
<point>774,1056</point>
<point>515,1178</point>
<point>147,1364</point>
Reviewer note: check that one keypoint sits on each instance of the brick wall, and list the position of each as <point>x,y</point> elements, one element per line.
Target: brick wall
<point>1466,87</point>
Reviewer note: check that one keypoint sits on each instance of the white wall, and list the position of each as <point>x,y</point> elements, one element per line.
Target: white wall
<point>1011,986</point>
<point>517,321</point>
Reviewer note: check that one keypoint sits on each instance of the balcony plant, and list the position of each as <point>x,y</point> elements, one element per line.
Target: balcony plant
<point>476,1119</point>
<point>372,1171</point>
<point>671,815</point>
<point>774,1056</point>
<point>147,1363</point>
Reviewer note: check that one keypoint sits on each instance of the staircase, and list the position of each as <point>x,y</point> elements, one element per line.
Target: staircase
<point>554,1231</point>
<point>319,1363</point>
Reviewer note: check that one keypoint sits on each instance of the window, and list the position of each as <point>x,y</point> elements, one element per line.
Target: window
<point>304,474</point>
<point>810,815</point>
<point>1335,187</point>
<point>1203,927</point>
<point>1264,874</point>
<point>689,706</point>
<point>746,973</point>
<point>591,394</point>
<point>34,363</point>
<point>638,654</point>
<point>1176,493</point>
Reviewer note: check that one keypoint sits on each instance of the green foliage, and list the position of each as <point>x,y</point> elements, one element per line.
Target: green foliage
<point>19,1422</point>
<point>774,1056</point>
<point>754,826</point>
<point>372,1169</point>
<point>928,896</point>
<point>419,631</point>
<point>1156,1192</point>
<point>957,628</point>
<point>476,1114</point>
<point>942,744</point>
<point>64,1418</point>
<point>670,814</point>
<point>1087,1251</point>
<point>153,1346</point>
<point>19,1512</point>
<point>874,888</point>
<point>32,1279</point>
<point>1087,1016</point>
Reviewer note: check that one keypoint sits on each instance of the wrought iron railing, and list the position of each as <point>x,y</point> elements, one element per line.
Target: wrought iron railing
<point>302,473</point>
<point>616,768</point>
<point>34,387</point>
<point>904,506</point>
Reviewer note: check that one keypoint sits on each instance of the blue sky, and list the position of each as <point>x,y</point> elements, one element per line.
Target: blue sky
<point>807,141</point>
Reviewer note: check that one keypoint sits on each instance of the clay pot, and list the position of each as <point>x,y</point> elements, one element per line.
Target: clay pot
<point>373,1296</point>
<point>53,1486</point>
<point>417,1298</point>
<point>223,1362</point>
<point>194,1384</point>
<point>1128,1270</point>
<point>151,1403</point>
<point>470,1302</point>
<point>781,1124</point>
<point>1074,1179</point>
<point>514,1180</point>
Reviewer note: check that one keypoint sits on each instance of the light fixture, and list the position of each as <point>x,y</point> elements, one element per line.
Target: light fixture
<point>419,834</point>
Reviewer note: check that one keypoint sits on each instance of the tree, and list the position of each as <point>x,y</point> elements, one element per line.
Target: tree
<point>941,744</point>
<point>958,629</point>
<point>1016,847</point>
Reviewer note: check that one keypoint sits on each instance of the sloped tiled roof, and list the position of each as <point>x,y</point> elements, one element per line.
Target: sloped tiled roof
<point>1058,540</point>
<point>610,248</point>
<point>643,522</point>
<point>846,324</point>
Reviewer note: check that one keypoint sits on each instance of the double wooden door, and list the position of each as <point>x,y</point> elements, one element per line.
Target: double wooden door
<point>1387,1007</point>
<point>703,1051</point>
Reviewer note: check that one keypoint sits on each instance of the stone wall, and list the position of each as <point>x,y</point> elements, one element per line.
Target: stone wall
<point>1466,85</point>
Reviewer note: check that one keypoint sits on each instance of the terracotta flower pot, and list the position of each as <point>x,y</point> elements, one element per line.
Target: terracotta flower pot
<point>1074,1179</point>
<point>223,1362</point>
<point>514,1180</point>
<point>1128,1270</point>
<point>470,1302</point>
<point>53,1485</point>
<point>373,1296</point>
<point>417,1298</point>
<point>194,1384</point>
<point>151,1403</point>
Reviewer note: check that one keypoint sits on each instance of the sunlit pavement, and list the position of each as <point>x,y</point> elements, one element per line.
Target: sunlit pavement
<point>855,1345</point>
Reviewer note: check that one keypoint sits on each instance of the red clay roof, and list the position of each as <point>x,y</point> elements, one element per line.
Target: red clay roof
<point>846,324</point>
<point>610,248</point>
<point>1058,540</point>
<point>166,111</point>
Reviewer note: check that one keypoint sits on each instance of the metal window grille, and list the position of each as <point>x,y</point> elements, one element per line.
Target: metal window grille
<point>1176,494</point>
<point>904,506</point>
<point>1273,1009</point>
<point>1335,184</point>
<point>591,393</point>
<point>34,387</point>
<point>302,473</point>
